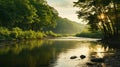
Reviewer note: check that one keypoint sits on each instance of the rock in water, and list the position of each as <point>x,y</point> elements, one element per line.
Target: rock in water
<point>73,57</point>
<point>82,56</point>
<point>90,64</point>
<point>99,60</point>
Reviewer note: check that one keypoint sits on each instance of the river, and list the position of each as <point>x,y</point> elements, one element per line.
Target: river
<point>57,52</point>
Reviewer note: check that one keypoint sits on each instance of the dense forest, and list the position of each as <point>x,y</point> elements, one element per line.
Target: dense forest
<point>31,19</point>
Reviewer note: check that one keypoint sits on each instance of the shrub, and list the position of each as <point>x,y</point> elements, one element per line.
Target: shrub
<point>4,33</point>
<point>90,34</point>
<point>17,33</point>
<point>52,34</point>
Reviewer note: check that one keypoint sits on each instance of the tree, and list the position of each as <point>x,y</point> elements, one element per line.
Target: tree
<point>27,14</point>
<point>15,13</point>
<point>101,15</point>
<point>46,14</point>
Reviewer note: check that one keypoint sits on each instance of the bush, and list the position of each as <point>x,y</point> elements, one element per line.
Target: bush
<point>17,33</point>
<point>40,35</point>
<point>4,33</point>
<point>52,34</point>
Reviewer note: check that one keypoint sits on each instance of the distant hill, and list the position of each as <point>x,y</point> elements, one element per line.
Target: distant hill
<point>66,26</point>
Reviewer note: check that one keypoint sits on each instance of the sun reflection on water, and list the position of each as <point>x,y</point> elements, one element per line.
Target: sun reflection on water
<point>64,58</point>
<point>99,51</point>
<point>88,49</point>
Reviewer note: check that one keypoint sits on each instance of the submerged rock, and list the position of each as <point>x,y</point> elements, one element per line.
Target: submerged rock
<point>73,57</point>
<point>99,60</point>
<point>90,64</point>
<point>82,56</point>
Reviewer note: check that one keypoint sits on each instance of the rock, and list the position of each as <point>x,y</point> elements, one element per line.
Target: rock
<point>90,64</point>
<point>99,60</point>
<point>73,57</point>
<point>82,56</point>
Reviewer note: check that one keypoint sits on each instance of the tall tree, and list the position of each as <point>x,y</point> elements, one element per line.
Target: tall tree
<point>102,15</point>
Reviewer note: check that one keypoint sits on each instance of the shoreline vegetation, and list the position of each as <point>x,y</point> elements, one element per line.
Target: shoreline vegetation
<point>90,34</point>
<point>19,34</point>
<point>86,32</point>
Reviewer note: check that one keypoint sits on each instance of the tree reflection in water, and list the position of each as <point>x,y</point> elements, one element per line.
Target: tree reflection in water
<point>47,53</point>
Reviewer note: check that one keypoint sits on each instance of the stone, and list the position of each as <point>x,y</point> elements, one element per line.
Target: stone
<point>73,57</point>
<point>82,56</point>
<point>99,60</point>
<point>90,64</point>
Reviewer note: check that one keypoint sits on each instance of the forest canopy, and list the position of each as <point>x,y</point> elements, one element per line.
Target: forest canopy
<point>27,14</point>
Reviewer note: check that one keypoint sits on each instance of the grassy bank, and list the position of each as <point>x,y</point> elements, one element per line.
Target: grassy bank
<point>89,35</point>
<point>19,34</point>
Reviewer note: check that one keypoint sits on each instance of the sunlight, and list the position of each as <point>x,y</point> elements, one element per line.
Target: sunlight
<point>80,49</point>
<point>102,16</point>
<point>99,54</point>
<point>99,51</point>
<point>99,23</point>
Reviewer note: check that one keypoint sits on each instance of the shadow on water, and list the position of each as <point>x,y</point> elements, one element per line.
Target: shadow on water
<point>111,44</point>
<point>114,59</point>
<point>57,53</point>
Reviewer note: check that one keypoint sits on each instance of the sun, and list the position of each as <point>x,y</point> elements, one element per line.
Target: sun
<point>102,16</point>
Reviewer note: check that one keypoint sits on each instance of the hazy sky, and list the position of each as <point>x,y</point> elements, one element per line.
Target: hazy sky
<point>65,8</point>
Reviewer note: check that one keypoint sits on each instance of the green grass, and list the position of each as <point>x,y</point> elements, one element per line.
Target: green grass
<point>90,35</point>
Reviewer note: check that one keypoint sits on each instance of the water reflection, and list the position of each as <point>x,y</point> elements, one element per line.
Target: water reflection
<point>50,53</point>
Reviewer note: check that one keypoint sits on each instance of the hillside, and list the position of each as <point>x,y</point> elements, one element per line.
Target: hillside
<point>65,26</point>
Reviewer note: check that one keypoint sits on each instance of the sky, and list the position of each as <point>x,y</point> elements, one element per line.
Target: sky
<point>65,9</point>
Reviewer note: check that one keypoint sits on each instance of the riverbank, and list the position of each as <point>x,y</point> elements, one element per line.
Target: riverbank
<point>19,34</point>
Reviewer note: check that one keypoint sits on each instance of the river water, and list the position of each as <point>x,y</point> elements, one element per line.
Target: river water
<point>57,53</point>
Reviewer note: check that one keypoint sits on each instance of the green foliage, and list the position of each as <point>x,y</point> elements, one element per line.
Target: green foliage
<point>90,35</point>
<point>46,14</point>
<point>27,14</point>
<point>16,13</point>
<point>101,15</point>
<point>17,33</point>
<point>52,34</point>
<point>4,33</point>
<point>26,19</point>
<point>87,33</point>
